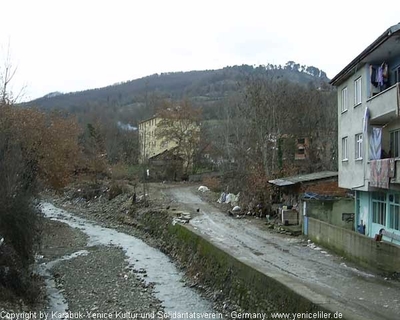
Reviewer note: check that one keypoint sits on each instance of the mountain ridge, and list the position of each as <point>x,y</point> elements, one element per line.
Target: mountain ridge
<point>205,85</point>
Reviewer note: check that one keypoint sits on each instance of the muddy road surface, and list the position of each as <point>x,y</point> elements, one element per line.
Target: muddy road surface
<point>321,276</point>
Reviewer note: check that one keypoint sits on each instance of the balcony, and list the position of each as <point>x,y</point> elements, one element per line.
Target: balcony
<point>384,106</point>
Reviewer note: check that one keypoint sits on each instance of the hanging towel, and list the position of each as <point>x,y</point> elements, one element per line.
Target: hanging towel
<point>380,76</point>
<point>375,143</point>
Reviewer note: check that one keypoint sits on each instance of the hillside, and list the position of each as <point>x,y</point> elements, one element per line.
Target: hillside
<point>205,87</point>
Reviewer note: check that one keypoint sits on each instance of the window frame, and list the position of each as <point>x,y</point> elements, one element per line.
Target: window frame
<point>394,213</point>
<point>345,144</point>
<point>358,146</point>
<point>357,91</point>
<point>379,208</point>
<point>394,147</point>
<point>344,99</point>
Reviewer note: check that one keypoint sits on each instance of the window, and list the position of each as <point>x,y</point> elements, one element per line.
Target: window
<point>394,144</point>
<point>358,147</point>
<point>344,149</point>
<point>394,211</point>
<point>357,91</point>
<point>397,74</point>
<point>344,99</point>
<point>379,208</point>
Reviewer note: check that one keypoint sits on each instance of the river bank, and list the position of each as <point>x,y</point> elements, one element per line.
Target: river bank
<point>161,284</point>
<point>82,277</point>
<point>119,214</point>
<point>255,270</point>
<point>99,278</point>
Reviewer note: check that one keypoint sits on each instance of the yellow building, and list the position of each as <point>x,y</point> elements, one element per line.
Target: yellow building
<point>159,135</point>
<point>151,144</point>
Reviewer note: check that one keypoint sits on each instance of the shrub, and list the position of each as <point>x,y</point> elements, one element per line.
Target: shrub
<point>33,146</point>
<point>126,172</point>
<point>18,216</point>
<point>115,190</point>
<point>213,183</point>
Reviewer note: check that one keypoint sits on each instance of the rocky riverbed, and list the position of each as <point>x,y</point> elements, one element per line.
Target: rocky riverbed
<point>98,278</point>
<point>117,213</point>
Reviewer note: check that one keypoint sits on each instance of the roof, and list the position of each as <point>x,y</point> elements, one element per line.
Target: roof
<point>303,178</point>
<point>168,154</point>
<point>153,117</point>
<point>371,48</point>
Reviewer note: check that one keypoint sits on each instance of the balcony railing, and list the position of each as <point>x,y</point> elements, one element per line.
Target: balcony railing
<point>384,106</point>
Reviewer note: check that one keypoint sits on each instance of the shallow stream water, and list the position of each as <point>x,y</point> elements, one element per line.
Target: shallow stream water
<point>169,286</point>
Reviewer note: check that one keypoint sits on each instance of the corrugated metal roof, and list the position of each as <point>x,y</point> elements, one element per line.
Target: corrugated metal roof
<point>282,182</point>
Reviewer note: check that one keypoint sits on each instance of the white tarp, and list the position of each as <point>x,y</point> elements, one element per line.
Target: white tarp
<point>203,189</point>
<point>229,198</point>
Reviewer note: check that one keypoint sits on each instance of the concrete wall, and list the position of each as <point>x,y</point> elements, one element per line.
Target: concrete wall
<point>362,211</point>
<point>242,284</point>
<point>383,106</point>
<point>379,256</point>
<point>331,211</point>
<point>350,123</point>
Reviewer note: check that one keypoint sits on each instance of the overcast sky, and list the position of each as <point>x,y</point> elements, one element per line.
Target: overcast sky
<point>73,45</point>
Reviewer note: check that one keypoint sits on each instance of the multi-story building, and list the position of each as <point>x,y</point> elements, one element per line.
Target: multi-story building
<point>151,144</point>
<point>369,135</point>
<point>168,140</point>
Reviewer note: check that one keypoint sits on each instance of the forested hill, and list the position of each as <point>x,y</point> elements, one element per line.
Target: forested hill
<point>203,86</point>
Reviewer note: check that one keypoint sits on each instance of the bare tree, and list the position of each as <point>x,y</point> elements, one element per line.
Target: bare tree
<point>261,126</point>
<point>179,125</point>
<point>7,73</point>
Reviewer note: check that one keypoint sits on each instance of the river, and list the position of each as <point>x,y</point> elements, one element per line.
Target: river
<point>169,286</point>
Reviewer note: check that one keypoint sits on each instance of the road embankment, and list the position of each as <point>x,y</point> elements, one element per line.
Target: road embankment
<point>235,285</point>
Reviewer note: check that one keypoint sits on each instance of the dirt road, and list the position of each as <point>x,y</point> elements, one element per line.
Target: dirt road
<point>313,272</point>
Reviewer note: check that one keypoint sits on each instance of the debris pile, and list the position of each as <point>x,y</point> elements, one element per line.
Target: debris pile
<point>181,217</point>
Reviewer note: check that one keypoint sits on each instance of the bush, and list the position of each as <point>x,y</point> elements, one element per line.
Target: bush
<point>15,279</point>
<point>88,190</point>
<point>115,190</point>
<point>18,217</point>
<point>213,183</point>
<point>126,172</point>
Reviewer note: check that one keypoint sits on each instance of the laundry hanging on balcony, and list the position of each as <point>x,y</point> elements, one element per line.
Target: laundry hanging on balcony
<point>375,143</point>
<point>379,75</point>
<point>381,172</point>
